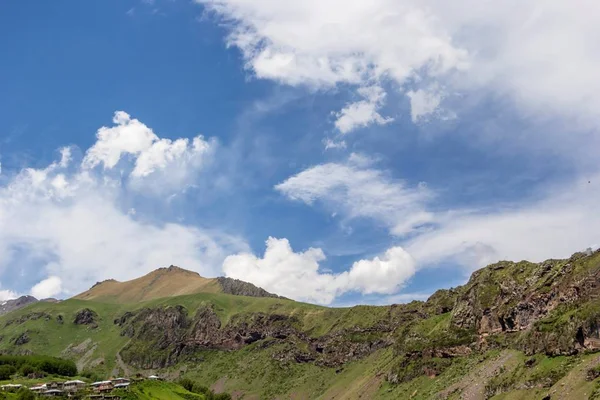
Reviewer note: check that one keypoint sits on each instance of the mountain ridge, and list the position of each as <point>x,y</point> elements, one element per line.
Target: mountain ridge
<point>515,330</point>
<point>169,281</point>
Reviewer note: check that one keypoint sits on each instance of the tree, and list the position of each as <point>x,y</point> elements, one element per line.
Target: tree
<point>6,371</point>
<point>27,369</point>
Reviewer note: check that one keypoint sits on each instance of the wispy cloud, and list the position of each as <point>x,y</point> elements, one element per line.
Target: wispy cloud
<point>361,192</point>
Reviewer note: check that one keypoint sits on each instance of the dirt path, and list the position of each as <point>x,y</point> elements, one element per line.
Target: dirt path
<point>472,386</point>
<point>121,364</point>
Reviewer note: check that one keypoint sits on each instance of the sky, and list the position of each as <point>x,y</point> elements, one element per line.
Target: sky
<point>336,152</point>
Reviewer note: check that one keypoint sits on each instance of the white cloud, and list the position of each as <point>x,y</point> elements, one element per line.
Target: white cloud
<point>333,144</point>
<point>424,102</point>
<point>47,288</point>
<point>164,152</point>
<point>564,221</point>
<point>362,113</point>
<point>545,57</point>
<point>298,275</point>
<point>360,191</point>
<point>382,275</point>
<point>333,41</point>
<point>7,295</point>
<point>323,43</point>
<point>159,164</point>
<point>75,222</point>
<point>129,136</point>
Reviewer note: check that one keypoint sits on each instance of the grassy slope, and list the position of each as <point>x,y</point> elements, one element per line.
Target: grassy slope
<point>253,369</point>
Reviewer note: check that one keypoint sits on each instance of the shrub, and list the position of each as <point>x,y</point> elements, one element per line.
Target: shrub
<point>27,369</point>
<point>201,389</point>
<point>187,384</point>
<point>6,371</point>
<point>221,396</point>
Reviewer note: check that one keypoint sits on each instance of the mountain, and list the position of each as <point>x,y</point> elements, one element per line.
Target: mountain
<point>515,330</point>
<point>12,305</point>
<point>168,282</point>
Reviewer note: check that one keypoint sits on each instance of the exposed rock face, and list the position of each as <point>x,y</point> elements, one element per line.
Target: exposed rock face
<point>241,288</point>
<point>12,305</point>
<point>163,336</point>
<point>517,297</point>
<point>28,317</point>
<point>86,317</point>
<point>22,339</point>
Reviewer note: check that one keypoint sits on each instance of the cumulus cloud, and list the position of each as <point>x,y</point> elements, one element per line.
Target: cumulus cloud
<point>360,191</point>
<point>382,275</point>
<point>73,222</point>
<point>160,164</point>
<point>47,288</point>
<point>298,275</point>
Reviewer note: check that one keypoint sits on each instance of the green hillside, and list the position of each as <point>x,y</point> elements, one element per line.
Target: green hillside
<point>515,330</point>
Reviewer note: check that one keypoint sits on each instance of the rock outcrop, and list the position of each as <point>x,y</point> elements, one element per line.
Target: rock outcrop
<point>529,298</point>
<point>241,288</point>
<point>162,337</point>
<point>86,317</point>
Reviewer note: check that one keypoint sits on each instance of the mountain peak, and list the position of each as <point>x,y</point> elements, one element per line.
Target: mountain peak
<point>168,282</point>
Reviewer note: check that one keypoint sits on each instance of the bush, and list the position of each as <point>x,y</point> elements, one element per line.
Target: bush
<point>27,369</point>
<point>193,387</point>
<point>221,396</point>
<point>187,384</point>
<point>201,389</point>
<point>6,371</point>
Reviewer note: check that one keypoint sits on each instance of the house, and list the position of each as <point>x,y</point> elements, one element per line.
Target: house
<point>102,386</point>
<point>118,381</point>
<point>39,388</point>
<point>124,386</point>
<point>53,392</point>
<point>55,385</point>
<point>11,387</point>
<point>73,386</point>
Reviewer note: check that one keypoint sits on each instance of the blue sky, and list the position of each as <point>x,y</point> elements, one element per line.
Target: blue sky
<point>332,152</point>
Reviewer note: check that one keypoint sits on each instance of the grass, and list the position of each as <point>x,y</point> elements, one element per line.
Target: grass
<point>152,390</point>
<point>542,372</point>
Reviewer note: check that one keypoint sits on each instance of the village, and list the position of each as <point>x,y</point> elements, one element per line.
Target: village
<point>79,388</point>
